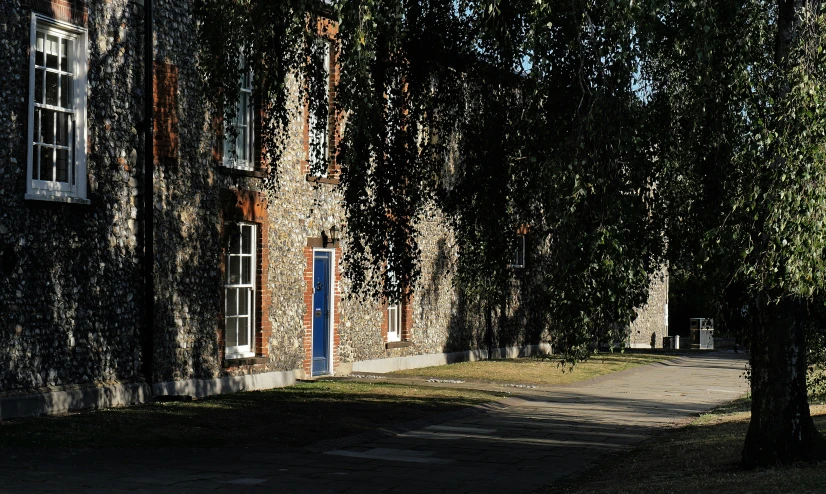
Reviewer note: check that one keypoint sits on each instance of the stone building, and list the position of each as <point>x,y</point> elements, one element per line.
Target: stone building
<point>248,288</point>
<point>650,326</point>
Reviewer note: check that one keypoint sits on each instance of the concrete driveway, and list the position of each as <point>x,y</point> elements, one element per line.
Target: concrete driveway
<point>528,441</point>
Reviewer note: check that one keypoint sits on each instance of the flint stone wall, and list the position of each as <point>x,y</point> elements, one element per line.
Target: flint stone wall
<point>188,248</point>
<point>70,279</point>
<point>70,290</point>
<point>650,325</point>
<point>187,251</point>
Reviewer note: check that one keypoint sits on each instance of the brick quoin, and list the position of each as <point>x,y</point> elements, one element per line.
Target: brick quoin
<point>71,11</point>
<point>407,319</point>
<point>165,86</point>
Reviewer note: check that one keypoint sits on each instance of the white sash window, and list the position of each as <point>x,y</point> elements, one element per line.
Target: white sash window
<point>518,252</point>
<point>239,149</point>
<point>320,137</point>
<point>57,111</point>
<point>394,322</point>
<point>239,291</point>
<point>394,312</point>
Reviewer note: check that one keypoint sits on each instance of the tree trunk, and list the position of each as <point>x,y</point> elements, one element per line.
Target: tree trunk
<point>781,429</point>
<point>489,330</point>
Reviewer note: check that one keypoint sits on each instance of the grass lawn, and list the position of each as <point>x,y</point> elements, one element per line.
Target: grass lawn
<point>295,416</point>
<point>702,457</point>
<point>536,370</point>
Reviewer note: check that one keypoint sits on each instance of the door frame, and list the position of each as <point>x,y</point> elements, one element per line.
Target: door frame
<point>331,301</point>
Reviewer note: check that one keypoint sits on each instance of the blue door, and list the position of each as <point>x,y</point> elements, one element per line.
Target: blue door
<point>321,313</point>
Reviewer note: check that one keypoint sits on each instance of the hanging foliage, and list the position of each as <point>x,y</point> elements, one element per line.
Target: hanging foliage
<point>504,115</point>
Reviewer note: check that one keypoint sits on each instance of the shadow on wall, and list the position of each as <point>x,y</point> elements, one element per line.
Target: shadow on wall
<point>69,294</point>
<point>187,243</point>
<point>518,317</point>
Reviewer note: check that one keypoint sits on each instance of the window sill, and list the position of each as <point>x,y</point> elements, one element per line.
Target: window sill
<point>60,199</point>
<point>236,172</point>
<point>397,344</point>
<point>239,361</point>
<point>323,180</point>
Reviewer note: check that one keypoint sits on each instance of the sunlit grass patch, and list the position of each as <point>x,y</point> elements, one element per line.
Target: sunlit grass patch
<point>534,370</point>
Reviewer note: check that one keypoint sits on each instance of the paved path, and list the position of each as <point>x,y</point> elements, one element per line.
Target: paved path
<point>529,441</point>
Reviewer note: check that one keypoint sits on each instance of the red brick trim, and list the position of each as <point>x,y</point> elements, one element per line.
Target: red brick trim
<point>251,207</point>
<point>166,112</point>
<point>407,318</point>
<point>72,11</point>
<point>308,305</point>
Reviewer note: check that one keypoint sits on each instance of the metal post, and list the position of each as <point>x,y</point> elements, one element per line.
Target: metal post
<point>148,347</point>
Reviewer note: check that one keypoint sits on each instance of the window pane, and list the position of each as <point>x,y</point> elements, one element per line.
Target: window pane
<point>234,270</point>
<point>241,149</point>
<point>232,301</point>
<point>38,86</point>
<point>243,331</point>
<point>47,126</point>
<point>64,129</point>
<point>66,91</point>
<point>243,302</point>
<point>37,132</point>
<point>39,57</point>
<point>62,165</point>
<point>392,318</point>
<point>391,278</point>
<point>243,107</point>
<point>229,148</point>
<point>518,257</point>
<point>65,50</point>
<point>51,52</point>
<point>232,331</point>
<point>246,239</point>
<point>51,88</point>
<point>246,270</point>
<point>46,157</point>
<point>235,241</point>
<point>36,161</point>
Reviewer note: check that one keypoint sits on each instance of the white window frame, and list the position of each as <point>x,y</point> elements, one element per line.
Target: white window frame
<point>394,322</point>
<point>231,144</point>
<point>241,351</point>
<point>75,189</point>
<point>518,260</point>
<point>317,138</point>
<point>394,311</point>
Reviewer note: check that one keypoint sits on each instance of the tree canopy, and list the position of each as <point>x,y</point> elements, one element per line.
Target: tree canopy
<point>625,133</point>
